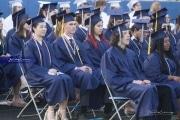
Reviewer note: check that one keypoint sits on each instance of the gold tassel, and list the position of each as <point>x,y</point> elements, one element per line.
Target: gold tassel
<point>156,22</point>
<point>62,27</point>
<point>149,44</point>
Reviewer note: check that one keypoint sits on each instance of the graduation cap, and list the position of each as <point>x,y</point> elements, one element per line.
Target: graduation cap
<point>97,10</point>
<point>18,16</point>
<point>141,13</point>
<point>16,3</point>
<point>64,4</point>
<point>115,14</point>
<point>160,34</point>
<point>93,19</point>
<point>114,3</point>
<point>58,16</point>
<point>84,9</point>
<point>159,20</point>
<point>36,20</point>
<point>79,2</point>
<point>41,3</point>
<point>159,13</point>
<point>125,16</point>
<point>1,13</point>
<point>119,28</point>
<point>49,6</point>
<point>131,3</point>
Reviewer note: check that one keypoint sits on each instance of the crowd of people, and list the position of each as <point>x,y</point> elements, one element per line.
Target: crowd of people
<point>72,54</point>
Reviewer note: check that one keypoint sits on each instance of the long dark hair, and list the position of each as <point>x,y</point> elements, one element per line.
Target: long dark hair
<point>20,29</point>
<point>158,46</point>
<point>115,38</point>
<point>92,39</point>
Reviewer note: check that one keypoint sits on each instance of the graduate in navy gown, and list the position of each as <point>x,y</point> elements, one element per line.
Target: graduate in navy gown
<point>121,72</point>
<point>95,46</point>
<point>81,32</point>
<point>115,19</point>
<point>137,42</point>
<point>56,20</point>
<point>73,60</point>
<point>17,40</point>
<point>42,70</point>
<point>161,66</point>
<point>8,77</point>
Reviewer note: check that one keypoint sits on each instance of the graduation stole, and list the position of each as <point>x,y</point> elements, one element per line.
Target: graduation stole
<point>40,55</point>
<point>76,48</point>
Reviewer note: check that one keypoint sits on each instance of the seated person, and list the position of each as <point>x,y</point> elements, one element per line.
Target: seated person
<point>122,73</point>
<point>161,66</point>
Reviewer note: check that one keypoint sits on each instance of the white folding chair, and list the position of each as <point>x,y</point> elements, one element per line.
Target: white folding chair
<point>32,98</point>
<point>115,100</point>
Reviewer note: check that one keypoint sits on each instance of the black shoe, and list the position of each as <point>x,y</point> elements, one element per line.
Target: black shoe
<point>83,117</point>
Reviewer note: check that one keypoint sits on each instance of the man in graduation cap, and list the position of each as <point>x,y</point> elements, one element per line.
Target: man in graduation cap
<point>16,5</point>
<point>122,75</point>
<point>137,43</point>
<point>73,61</point>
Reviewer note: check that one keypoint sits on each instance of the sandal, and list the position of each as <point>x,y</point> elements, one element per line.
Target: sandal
<point>59,116</point>
<point>46,115</point>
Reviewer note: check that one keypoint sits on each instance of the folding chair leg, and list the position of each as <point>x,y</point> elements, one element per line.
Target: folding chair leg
<point>69,112</point>
<point>34,102</point>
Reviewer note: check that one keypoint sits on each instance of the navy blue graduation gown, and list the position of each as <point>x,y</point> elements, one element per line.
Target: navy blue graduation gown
<point>83,80</point>
<point>80,34</point>
<point>56,86</point>
<point>119,68</point>
<point>97,96</point>
<point>140,49</point>
<point>15,44</point>
<point>152,68</point>
<point>178,52</point>
<point>51,37</point>
<point>9,34</point>
<point>49,30</point>
<point>8,77</point>
<point>107,34</point>
<point>173,44</point>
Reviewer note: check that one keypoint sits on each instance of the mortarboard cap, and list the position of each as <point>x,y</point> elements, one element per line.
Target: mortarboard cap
<point>36,20</point>
<point>161,12</point>
<point>115,13</point>
<point>141,13</point>
<point>140,23</point>
<point>41,3</point>
<point>84,9</point>
<point>160,20</point>
<point>15,3</point>
<point>18,16</point>
<point>79,2</point>
<point>121,26</point>
<point>131,3</point>
<point>58,17</point>
<point>125,16</point>
<point>97,10</point>
<point>160,34</point>
<point>69,17</point>
<point>49,6</point>
<point>93,19</point>
<point>114,3</point>
<point>1,13</point>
